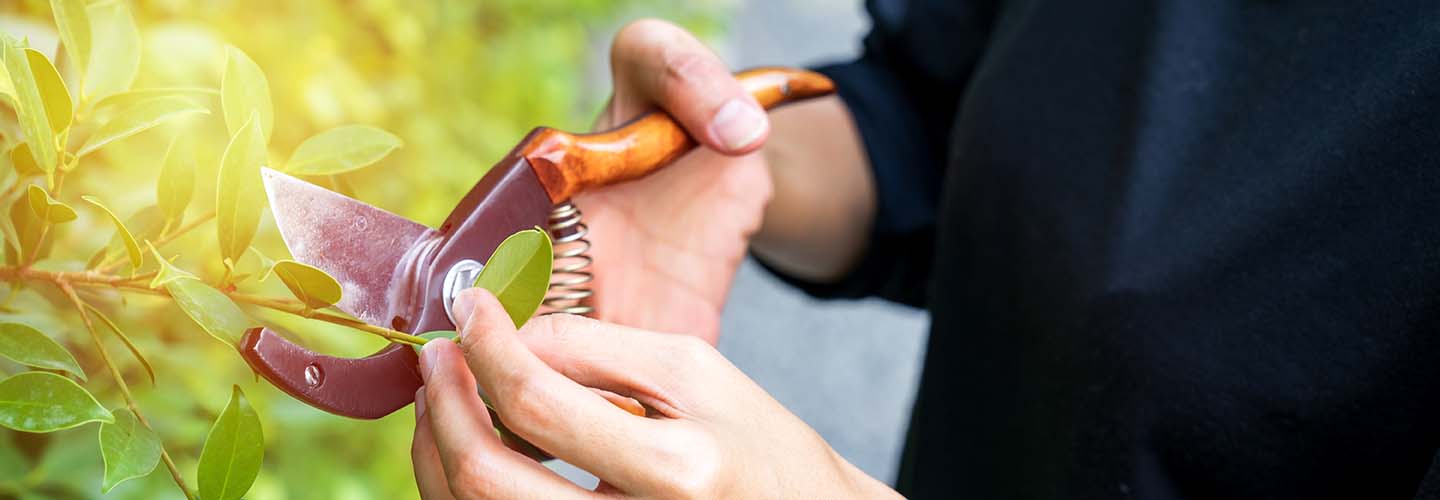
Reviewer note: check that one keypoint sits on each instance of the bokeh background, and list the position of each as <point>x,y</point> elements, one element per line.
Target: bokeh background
<point>460,82</point>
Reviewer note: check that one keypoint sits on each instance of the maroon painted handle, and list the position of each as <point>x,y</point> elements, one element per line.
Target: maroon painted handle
<point>368,388</point>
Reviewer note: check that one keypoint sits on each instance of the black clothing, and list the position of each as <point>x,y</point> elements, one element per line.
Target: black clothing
<point>1170,248</point>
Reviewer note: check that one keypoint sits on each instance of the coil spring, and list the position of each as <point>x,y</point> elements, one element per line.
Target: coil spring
<point>570,276</point>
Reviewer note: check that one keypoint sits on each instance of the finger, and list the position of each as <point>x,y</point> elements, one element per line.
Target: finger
<point>476,463</point>
<point>630,405</point>
<point>657,63</point>
<point>429,472</point>
<point>660,370</point>
<point>561,417</point>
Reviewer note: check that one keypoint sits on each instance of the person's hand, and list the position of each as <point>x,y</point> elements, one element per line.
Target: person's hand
<point>666,247</point>
<point>712,432</point>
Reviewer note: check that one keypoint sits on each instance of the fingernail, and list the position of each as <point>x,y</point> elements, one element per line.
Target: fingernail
<point>463,306</point>
<point>738,124</point>
<point>419,404</point>
<point>427,358</point>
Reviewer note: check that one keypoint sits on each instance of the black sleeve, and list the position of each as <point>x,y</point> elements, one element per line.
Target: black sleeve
<point>903,93</point>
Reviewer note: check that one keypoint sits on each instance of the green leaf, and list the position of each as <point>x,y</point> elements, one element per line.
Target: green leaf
<point>24,161</point>
<point>437,334</point>
<point>167,272</point>
<point>212,310</point>
<point>30,107</point>
<point>129,448</point>
<point>145,224</point>
<point>46,402</point>
<point>176,185</point>
<point>53,93</point>
<point>239,194</point>
<point>7,89</point>
<point>131,247</point>
<point>73,22</point>
<point>243,92</point>
<point>27,346</point>
<point>518,273</point>
<point>46,208</point>
<point>341,149</point>
<point>27,232</point>
<point>312,286</point>
<point>266,263</point>
<point>133,96</point>
<point>138,118</point>
<point>114,50</point>
<point>233,451</point>
<point>149,370</point>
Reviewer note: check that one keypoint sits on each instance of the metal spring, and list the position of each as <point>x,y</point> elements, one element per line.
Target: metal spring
<point>570,277</point>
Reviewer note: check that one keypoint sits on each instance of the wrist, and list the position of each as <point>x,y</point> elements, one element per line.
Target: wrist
<point>817,224</point>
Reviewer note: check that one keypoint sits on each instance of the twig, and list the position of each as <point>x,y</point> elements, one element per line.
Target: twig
<point>109,264</point>
<point>299,309</point>
<point>120,382</point>
<point>97,279</point>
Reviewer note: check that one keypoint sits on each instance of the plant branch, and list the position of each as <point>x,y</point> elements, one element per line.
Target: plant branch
<point>97,279</point>
<point>299,309</point>
<point>120,382</point>
<point>184,228</point>
<point>110,263</point>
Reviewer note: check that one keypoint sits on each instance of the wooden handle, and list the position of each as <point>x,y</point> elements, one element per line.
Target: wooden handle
<point>569,163</point>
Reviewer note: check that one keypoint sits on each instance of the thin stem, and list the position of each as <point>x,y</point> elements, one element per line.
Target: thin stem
<point>109,264</point>
<point>46,225</point>
<point>184,228</point>
<point>97,279</point>
<point>120,382</point>
<point>59,184</point>
<point>300,309</point>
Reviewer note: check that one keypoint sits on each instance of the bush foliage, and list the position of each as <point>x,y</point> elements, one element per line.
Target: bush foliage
<point>136,235</point>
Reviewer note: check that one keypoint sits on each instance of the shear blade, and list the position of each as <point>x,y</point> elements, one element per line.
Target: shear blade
<point>361,246</point>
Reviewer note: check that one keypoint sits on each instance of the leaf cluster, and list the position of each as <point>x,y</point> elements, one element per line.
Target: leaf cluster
<point>134,227</point>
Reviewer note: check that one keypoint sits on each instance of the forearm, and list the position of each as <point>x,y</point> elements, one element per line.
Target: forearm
<point>818,222</point>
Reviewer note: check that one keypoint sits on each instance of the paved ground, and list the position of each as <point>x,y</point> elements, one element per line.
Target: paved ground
<point>848,368</point>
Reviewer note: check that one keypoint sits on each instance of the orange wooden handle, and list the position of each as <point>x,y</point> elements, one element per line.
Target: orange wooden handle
<point>569,163</point>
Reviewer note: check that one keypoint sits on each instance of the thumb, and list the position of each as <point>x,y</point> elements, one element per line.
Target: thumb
<point>478,308</point>
<point>656,63</point>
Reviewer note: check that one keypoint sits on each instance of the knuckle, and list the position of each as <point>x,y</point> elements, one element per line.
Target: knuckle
<point>554,332</point>
<point>697,469</point>
<point>542,327</point>
<point>687,79</point>
<point>525,405</point>
<point>554,325</point>
<point>682,69</point>
<point>469,339</point>
<point>689,350</point>
<point>469,474</point>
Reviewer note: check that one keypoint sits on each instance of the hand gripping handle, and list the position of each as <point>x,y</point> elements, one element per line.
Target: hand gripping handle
<point>570,163</point>
<point>377,385</point>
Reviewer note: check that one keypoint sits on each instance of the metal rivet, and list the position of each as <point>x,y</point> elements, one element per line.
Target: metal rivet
<point>457,279</point>
<point>313,375</point>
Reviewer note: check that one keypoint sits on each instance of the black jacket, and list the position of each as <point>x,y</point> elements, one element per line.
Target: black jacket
<point>1170,248</point>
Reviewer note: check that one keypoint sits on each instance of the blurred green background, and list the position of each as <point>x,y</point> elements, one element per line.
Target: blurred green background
<point>459,81</point>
